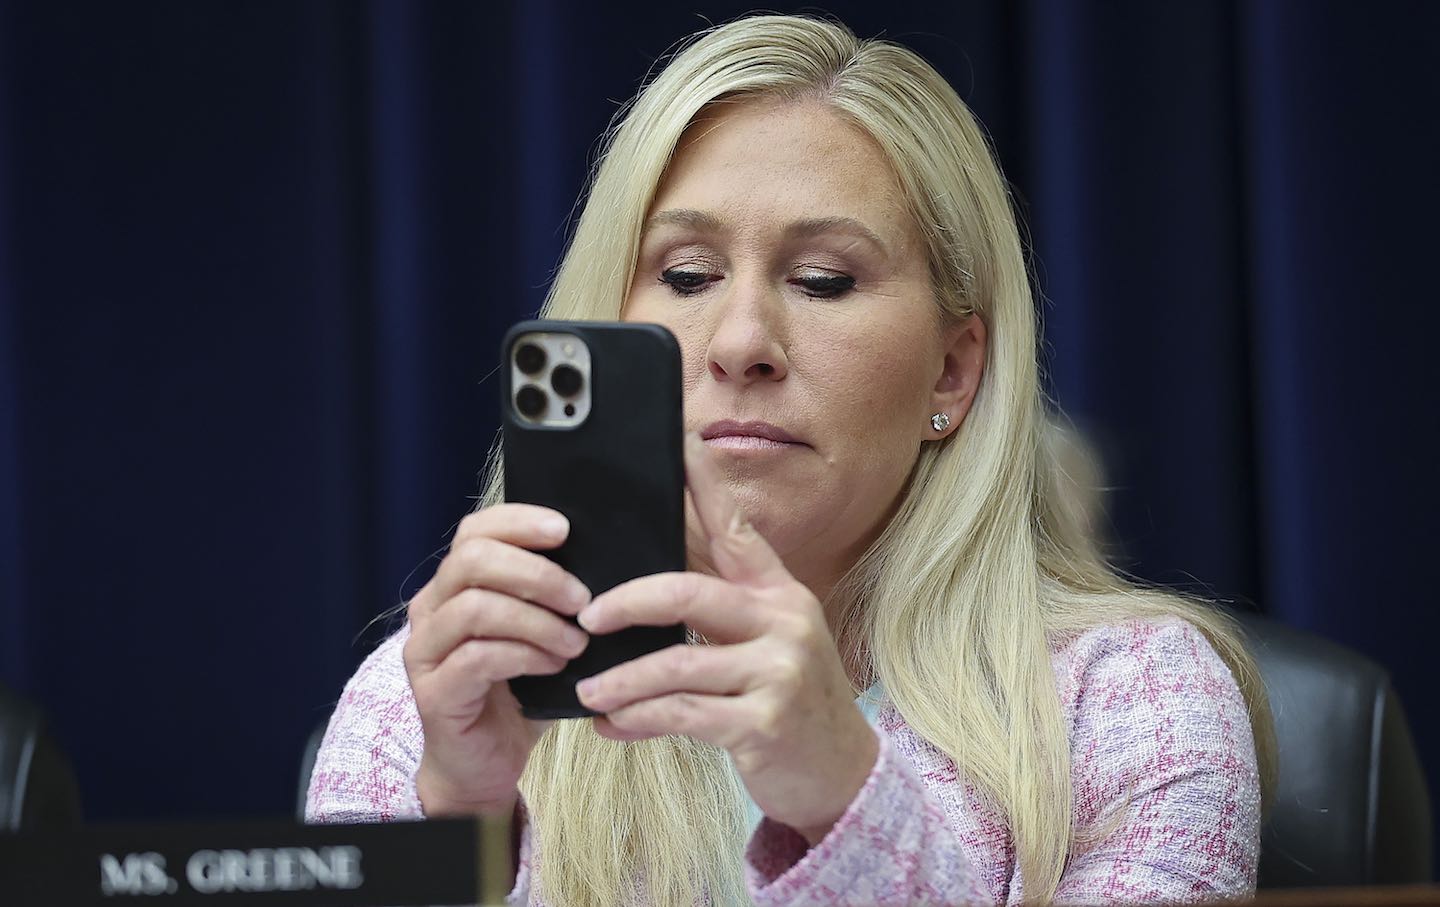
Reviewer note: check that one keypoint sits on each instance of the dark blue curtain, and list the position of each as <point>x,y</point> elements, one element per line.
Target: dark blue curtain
<point>255,260</point>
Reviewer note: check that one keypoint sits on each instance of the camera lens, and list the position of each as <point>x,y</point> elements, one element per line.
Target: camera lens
<point>530,358</point>
<point>566,380</point>
<point>530,401</point>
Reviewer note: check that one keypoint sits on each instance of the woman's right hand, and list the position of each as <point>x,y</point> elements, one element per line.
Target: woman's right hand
<point>493,610</point>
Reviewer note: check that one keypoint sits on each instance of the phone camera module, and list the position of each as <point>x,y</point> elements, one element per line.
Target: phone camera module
<point>549,380</point>
<point>566,380</point>
<point>530,358</point>
<point>531,401</point>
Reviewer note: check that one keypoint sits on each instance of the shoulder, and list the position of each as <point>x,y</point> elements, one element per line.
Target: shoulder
<point>1130,680</point>
<point>1149,660</point>
<point>1148,702</point>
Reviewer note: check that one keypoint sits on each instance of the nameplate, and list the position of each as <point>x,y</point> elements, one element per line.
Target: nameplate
<point>396,864</point>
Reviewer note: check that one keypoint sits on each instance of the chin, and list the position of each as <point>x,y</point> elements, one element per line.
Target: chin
<point>785,528</point>
<point>798,515</point>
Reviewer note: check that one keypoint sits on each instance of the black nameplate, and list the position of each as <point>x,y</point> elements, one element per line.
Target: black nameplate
<point>397,864</point>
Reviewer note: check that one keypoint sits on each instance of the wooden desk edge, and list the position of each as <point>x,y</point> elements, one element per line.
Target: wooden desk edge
<point>1373,896</point>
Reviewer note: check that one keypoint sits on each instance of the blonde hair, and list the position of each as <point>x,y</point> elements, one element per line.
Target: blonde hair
<point>981,569</point>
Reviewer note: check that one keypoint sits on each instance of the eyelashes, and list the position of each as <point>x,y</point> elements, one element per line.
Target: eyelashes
<point>683,282</point>
<point>828,286</point>
<point>686,283</point>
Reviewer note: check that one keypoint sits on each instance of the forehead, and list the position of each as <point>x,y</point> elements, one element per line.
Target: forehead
<point>763,160</point>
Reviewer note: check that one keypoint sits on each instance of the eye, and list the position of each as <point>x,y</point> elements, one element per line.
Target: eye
<point>686,283</point>
<point>824,286</point>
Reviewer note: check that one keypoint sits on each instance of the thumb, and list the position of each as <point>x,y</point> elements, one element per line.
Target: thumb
<point>739,553</point>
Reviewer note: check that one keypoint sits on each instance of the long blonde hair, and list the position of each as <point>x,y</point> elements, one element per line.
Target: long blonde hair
<point>985,563</point>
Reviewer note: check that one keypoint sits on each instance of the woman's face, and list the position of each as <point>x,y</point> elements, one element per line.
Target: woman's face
<point>779,253</point>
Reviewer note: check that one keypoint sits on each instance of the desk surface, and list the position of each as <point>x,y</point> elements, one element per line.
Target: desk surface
<point>1378,896</point>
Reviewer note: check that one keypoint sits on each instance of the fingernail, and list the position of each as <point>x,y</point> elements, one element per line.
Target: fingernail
<point>579,596</point>
<point>587,617</point>
<point>587,687</point>
<point>555,526</point>
<point>576,641</point>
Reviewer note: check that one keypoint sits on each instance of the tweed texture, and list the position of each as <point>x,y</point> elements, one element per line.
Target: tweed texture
<point>1163,765</point>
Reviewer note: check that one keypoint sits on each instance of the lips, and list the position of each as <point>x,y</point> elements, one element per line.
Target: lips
<point>761,431</point>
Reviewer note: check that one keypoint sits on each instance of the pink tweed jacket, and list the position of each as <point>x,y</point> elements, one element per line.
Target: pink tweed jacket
<point>1159,737</point>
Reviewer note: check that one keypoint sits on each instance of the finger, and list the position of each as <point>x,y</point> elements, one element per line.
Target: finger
<point>458,687</point>
<point>739,553</point>
<point>486,563</point>
<point>720,610</point>
<point>605,729</point>
<point>723,670</point>
<point>718,720</point>
<point>482,614</point>
<point>697,543</point>
<point>526,525</point>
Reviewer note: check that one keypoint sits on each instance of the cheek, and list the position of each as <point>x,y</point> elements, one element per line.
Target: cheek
<point>879,385</point>
<point>872,397</point>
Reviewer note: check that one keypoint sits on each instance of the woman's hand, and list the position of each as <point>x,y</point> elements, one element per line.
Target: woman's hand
<point>771,689</point>
<point>492,611</point>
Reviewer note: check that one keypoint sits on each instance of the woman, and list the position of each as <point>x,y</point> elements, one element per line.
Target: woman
<point>819,221</point>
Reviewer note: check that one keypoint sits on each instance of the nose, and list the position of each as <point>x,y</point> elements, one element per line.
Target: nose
<point>748,343</point>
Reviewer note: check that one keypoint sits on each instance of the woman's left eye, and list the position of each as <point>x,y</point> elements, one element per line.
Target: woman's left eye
<point>825,286</point>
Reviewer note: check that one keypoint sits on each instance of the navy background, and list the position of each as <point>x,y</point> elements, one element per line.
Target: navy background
<point>256,258</point>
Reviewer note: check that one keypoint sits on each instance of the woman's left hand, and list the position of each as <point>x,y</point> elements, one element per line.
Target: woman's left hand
<point>770,689</point>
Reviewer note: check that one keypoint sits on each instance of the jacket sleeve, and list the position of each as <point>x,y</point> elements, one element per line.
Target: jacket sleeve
<point>365,768</point>
<point>891,846</point>
<point>1165,789</point>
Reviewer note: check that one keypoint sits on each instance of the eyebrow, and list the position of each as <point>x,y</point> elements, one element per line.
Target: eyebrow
<point>704,222</point>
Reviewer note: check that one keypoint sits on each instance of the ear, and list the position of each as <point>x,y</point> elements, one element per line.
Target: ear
<point>960,371</point>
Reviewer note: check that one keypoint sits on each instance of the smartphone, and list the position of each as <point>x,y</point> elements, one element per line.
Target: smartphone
<point>591,427</point>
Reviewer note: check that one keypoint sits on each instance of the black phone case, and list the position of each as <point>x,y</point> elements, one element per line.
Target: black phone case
<point>619,477</point>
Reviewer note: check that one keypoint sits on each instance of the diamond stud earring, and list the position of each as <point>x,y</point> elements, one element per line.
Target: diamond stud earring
<point>940,421</point>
